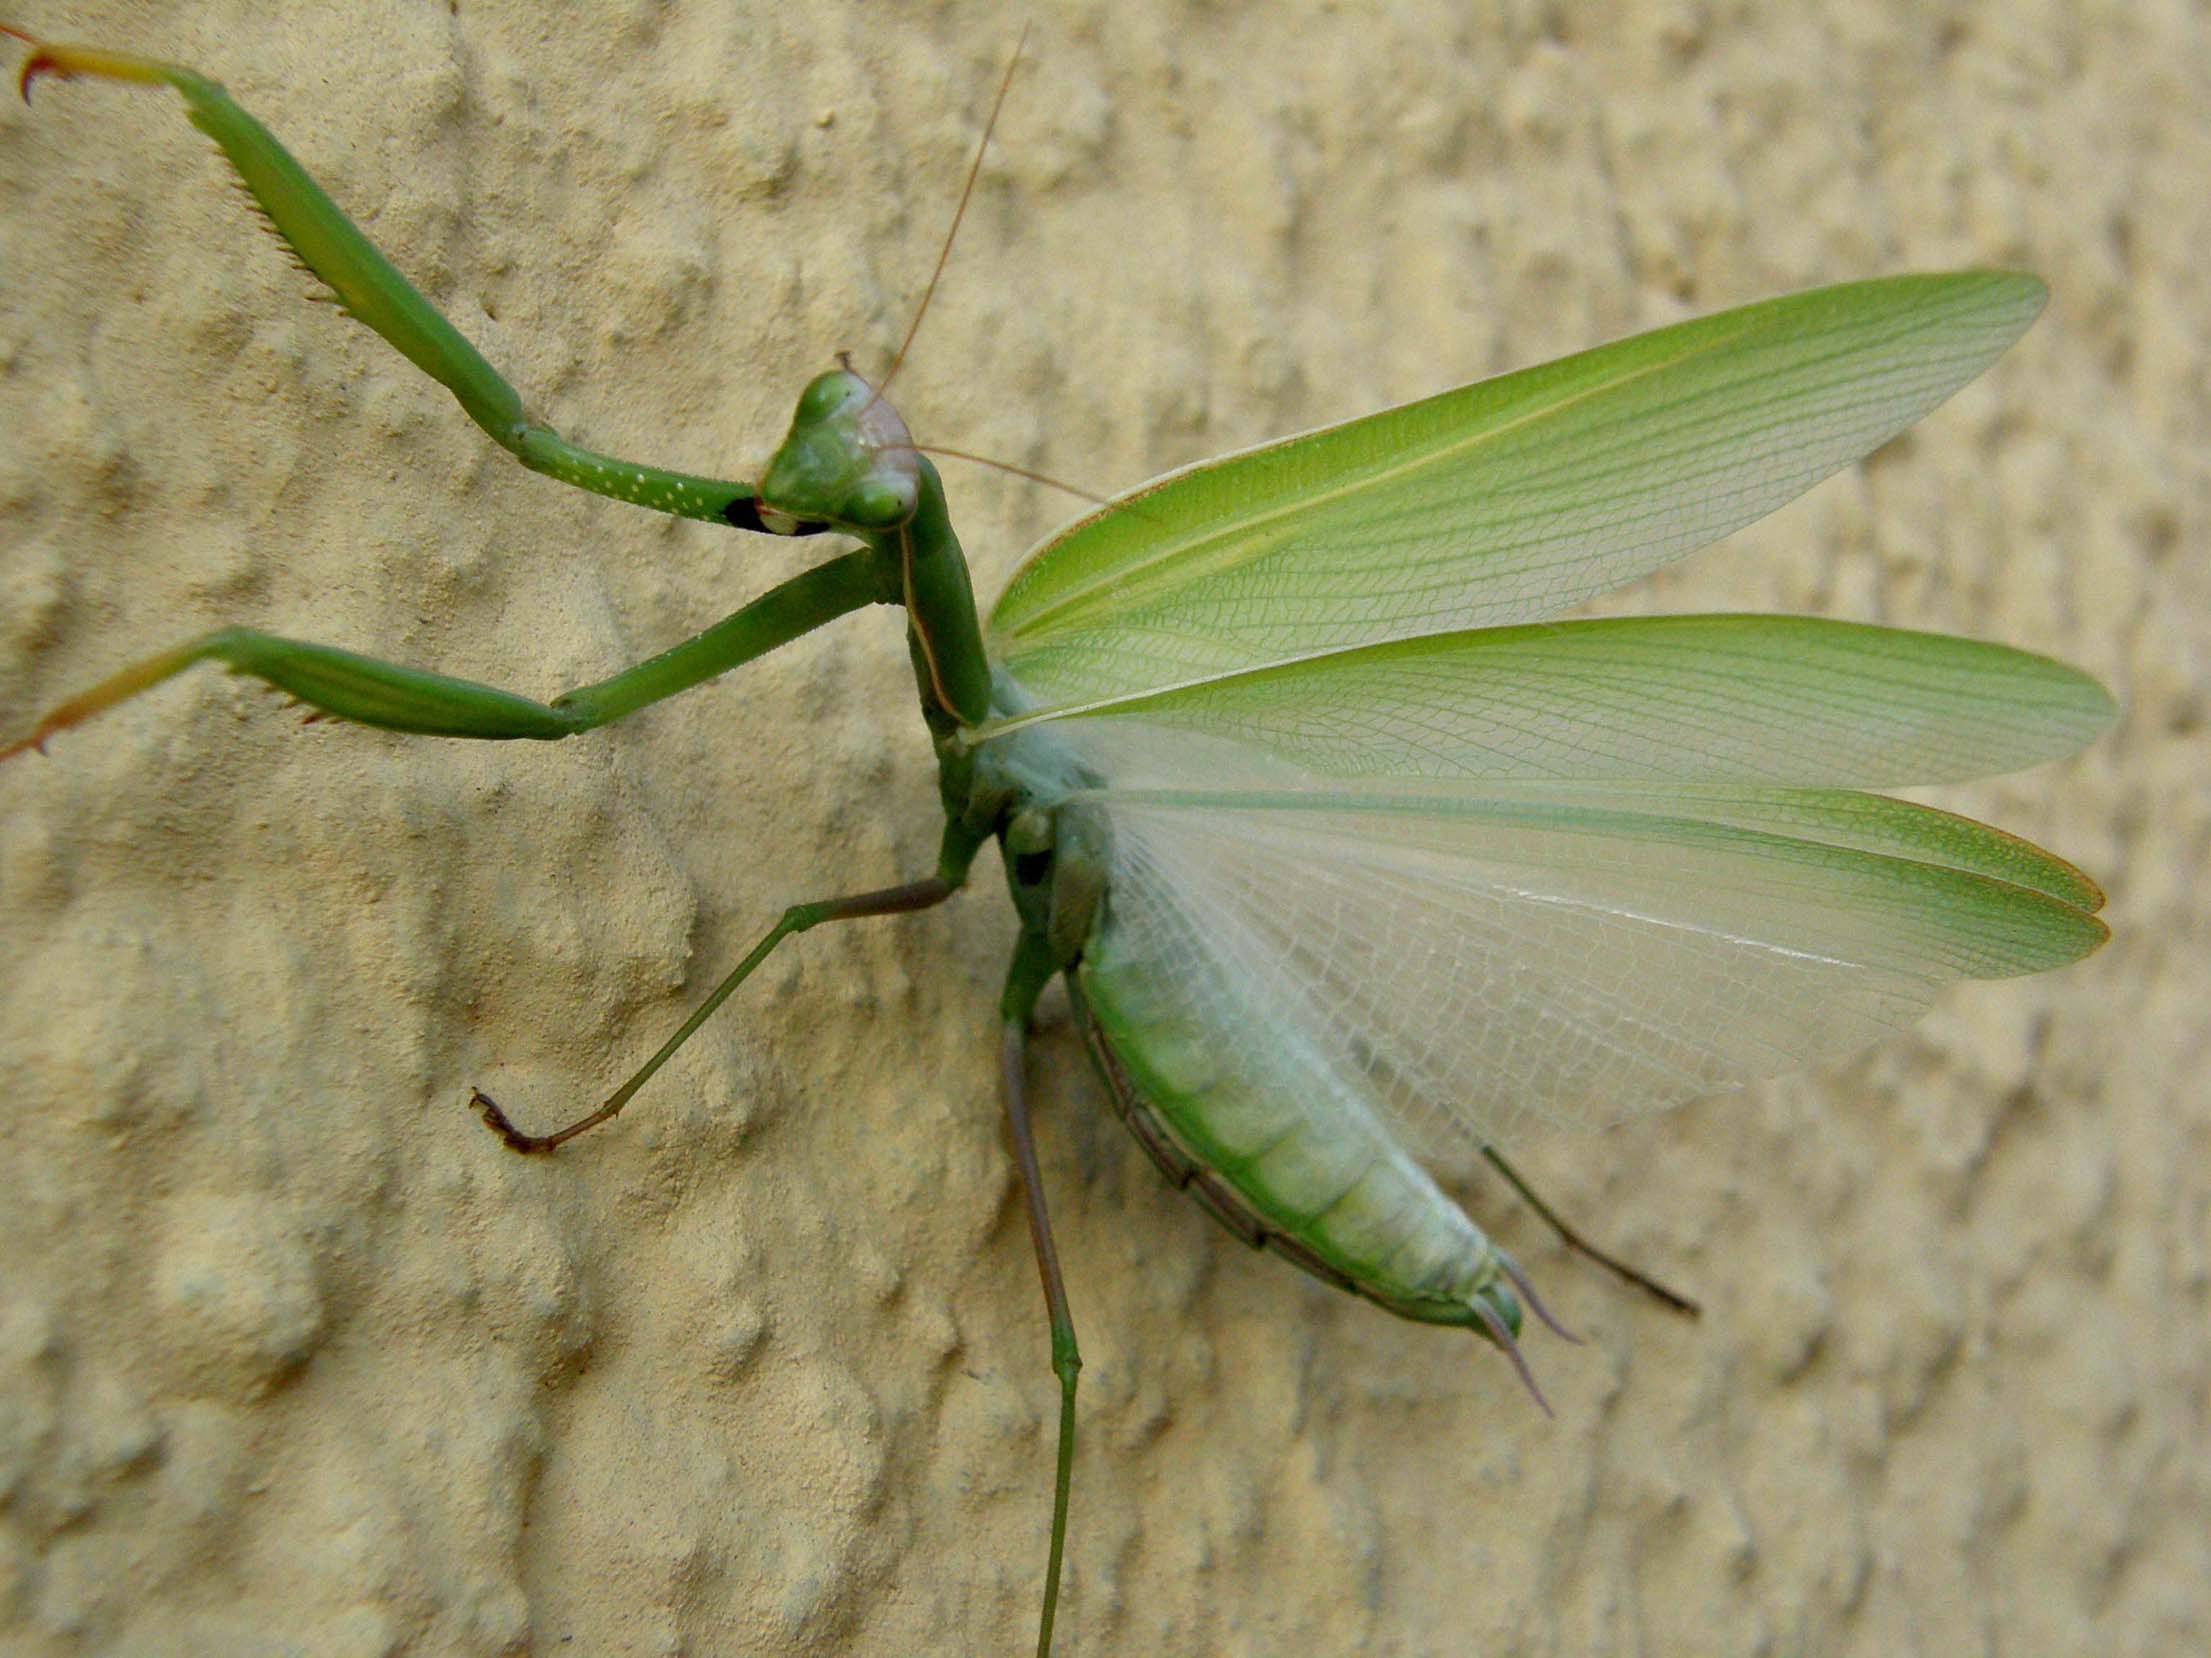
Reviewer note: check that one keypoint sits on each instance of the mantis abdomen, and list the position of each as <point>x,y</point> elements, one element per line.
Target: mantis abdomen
<point>1328,1189</point>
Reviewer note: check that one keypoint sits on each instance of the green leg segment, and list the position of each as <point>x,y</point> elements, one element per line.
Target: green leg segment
<point>1030,970</point>
<point>799,918</point>
<point>372,692</point>
<point>1672,1299</point>
<point>331,247</point>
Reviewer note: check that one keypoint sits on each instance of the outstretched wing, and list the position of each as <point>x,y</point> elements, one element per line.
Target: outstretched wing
<point>1582,870</point>
<point>1500,502</point>
<point>1466,960</point>
<point>1468,870</point>
<point>1670,700</point>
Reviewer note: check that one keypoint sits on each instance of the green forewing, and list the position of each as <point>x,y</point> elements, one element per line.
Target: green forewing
<point>1499,502</point>
<point>1664,699</point>
<point>1874,823</point>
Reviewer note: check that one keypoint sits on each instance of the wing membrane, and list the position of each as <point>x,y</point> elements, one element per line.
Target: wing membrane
<point>1476,960</point>
<point>1660,699</point>
<point>1499,502</point>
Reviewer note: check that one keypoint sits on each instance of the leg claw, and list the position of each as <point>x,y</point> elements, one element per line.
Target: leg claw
<point>510,1136</point>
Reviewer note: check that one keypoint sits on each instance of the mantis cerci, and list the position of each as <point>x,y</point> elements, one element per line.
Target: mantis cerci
<point>1347,853</point>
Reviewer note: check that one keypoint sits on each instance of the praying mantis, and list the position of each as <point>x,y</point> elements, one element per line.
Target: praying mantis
<point>1260,793</point>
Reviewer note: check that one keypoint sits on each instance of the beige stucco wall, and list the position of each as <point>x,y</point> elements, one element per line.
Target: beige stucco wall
<point>293,1358</point>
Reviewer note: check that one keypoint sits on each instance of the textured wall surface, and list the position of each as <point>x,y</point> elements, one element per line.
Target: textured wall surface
<point>295,1359</point>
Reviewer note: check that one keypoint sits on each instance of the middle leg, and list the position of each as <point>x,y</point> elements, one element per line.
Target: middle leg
<point>799,918</point>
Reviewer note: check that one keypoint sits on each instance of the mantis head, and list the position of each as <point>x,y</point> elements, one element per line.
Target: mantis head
<point>848,461</point>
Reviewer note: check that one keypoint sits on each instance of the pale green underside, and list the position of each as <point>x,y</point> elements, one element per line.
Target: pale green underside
<point>1290,1133</point>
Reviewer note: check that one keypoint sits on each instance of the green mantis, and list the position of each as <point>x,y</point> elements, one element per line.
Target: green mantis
<point>1340,847</point>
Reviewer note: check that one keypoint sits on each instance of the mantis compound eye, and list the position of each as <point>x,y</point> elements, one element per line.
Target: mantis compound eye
<point>883,503</point>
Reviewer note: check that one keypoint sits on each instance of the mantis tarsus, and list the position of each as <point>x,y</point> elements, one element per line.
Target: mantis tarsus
<point>1339,849</point>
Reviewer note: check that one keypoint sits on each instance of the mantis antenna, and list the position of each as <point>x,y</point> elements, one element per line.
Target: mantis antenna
<point>967,191</point>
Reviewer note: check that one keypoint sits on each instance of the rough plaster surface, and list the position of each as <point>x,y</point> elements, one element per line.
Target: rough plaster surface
<point>295,1359</point>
